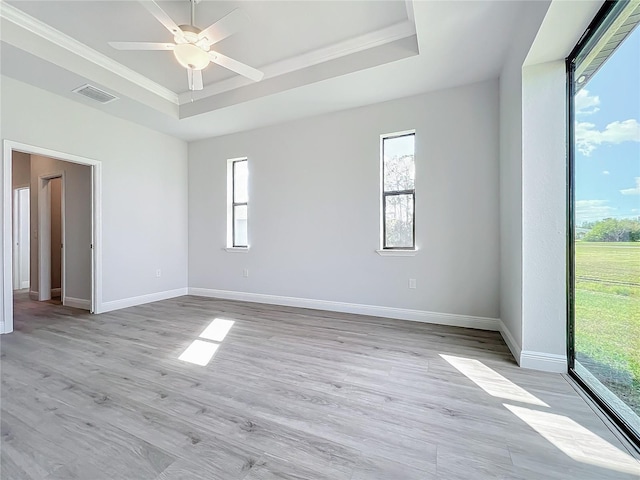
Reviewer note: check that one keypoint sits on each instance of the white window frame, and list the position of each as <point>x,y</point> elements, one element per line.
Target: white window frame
<point>230,207</point>
<point>394,251</point>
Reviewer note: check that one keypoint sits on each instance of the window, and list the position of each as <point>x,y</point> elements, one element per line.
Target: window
<point>604,208</point>
<point>238,195</point>
<point>398,191</point>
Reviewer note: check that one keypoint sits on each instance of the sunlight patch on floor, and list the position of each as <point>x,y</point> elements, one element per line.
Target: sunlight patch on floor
<point>576,441</point>
<point>217,330</point>
<point>199,352</point>
<point>491,381</point>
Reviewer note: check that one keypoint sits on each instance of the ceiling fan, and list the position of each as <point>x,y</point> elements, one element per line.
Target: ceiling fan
<point>192,46</point>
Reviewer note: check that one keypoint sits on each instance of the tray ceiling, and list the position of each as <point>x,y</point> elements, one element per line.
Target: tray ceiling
<point>276,30</point>
<point>317,56</point>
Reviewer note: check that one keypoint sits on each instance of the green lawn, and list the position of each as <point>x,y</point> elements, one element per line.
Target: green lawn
<point>608,315</point>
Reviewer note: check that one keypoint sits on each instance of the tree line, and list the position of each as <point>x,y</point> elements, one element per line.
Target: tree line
<point>613,230</point>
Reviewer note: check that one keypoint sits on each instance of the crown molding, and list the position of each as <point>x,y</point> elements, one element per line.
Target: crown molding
<point>33,25</point>
<point>353,45</point>
<point>347,47</point>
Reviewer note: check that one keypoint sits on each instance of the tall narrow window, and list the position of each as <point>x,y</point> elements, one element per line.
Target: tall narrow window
<point>239,202</point>
<point>604,206</point>
<point>398,191</point>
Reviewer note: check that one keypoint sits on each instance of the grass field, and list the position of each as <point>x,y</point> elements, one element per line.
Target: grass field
<point>608,315</point>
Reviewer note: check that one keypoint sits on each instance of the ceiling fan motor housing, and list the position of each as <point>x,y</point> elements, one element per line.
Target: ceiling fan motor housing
<point>189,35</point>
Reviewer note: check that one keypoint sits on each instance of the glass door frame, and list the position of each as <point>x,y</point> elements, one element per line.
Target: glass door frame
<point>603,20</point>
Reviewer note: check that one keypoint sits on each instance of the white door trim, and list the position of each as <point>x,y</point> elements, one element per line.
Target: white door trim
<point>16,228</point>
<point>6,326</point>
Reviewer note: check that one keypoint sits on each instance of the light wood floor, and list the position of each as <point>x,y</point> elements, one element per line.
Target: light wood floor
<point>289,394</point>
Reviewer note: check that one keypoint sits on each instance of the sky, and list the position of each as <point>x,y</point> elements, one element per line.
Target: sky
<point>607,138</point>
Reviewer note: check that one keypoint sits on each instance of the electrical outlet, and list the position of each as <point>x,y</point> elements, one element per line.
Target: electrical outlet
<point>158,273</point>
<point>245,272</point>
<point>412,283</point>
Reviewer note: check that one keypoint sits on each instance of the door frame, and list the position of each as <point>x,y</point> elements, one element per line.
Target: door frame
<point>9,146</point>
<point>17,258</point>
<point>44,236</point>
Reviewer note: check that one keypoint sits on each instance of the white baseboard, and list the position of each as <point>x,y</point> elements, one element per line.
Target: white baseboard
<point>142,299</point>
<point>34,295</point>
<point>481,323</point>
<point>77,303</point>
<point>25,284</point>
<point>547,362</point>
<point>511,342</point>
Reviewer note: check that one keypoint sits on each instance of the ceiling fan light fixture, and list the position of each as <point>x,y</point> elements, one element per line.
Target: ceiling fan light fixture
<point>192,47</point>
<point>191,56</point>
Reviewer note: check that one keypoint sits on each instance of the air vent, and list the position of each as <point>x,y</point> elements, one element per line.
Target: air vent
<point>95,93</point>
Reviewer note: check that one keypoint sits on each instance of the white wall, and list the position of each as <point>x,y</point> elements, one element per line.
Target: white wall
<point>144,185</point>
<point>77,192</point>
<point>544,228</point>
<point>314,207</point>
<point>511,288</point>
<point>533,182</point>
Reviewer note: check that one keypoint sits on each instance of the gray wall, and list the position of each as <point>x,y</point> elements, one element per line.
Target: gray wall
<point>314,215</point>
<point>21,172</point>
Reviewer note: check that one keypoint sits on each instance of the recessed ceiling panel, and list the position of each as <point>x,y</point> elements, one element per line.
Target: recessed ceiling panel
<point>277,30</point>
<point>442,44</point>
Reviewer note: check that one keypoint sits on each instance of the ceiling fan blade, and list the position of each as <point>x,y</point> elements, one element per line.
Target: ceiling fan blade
<point>224,27</point>
<point>155,10</point>
<point>236,66</point>
<point>141,46</point>
<point>195,79</point>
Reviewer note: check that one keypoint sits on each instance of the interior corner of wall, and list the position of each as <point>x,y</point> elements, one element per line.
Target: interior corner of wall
<point>512,343</point>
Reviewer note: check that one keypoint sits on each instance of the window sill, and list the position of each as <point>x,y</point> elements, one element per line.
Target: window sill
<point>237,249</point>
<point>397,253</point>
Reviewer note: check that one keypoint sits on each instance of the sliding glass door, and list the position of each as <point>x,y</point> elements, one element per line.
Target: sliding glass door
<point>604,250</point>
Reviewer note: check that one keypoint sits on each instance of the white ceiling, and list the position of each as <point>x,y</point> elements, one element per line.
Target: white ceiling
<point>318,56</point>
<point>267,39</point>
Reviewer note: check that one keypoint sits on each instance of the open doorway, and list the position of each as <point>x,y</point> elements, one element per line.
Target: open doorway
<point>57,238</point>
<point>51,238</point>
<point>21,240</point>
<point>54,216</point>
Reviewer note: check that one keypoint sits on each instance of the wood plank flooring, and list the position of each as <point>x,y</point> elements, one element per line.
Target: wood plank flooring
<point>289,394</point>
